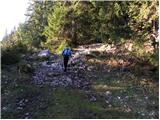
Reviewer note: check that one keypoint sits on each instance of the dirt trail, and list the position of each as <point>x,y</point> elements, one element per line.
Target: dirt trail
<point>51,73</point>
<point>117,88</point>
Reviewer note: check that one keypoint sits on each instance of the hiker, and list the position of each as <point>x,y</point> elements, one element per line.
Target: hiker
<point>66,54</point>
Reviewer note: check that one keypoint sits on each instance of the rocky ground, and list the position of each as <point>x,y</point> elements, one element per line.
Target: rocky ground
<point>98,84</point>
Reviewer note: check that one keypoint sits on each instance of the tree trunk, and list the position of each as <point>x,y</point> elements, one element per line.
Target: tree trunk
<point>74,33</point>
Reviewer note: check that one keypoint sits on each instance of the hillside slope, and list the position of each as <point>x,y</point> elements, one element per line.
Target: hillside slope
<point>101,82</point>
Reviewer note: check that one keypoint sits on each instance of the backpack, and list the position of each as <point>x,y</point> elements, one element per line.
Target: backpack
<point>66,52</point>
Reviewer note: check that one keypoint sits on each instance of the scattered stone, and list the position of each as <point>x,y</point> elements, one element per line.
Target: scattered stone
<point>139,100</point>
<point>4,108</point>
<point>128,110</point>
<point>26,117</point>
<point>152,113</point>
<point>19,108</point>
<point>135,95</point>
<point>52,74</point>
<point>21,101</point>
<point>153,103</point>
<point>69,80</point>
<point>44,53</point>
<point>107,101</point>
<point>44,64</point>
<point>108,93</point>
<point>90,68</point>
<point>142,114</point>
<point>3,76</point>
<point>119,97</point>
<point>146,98</point>
<point>110,105</point>
<point>93,98</point>
<point>124,90</point>
<point>26,114</point>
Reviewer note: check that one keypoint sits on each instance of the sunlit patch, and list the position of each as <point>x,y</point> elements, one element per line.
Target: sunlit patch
<point>103,87</point>
<point>108,61</point>
<point>148,84</point>
<point>119,109</point>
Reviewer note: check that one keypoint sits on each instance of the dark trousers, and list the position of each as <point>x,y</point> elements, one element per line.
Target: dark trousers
<point>66,58</point>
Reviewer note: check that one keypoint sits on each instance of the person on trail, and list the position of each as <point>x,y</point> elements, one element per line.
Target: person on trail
<point>66,53</point>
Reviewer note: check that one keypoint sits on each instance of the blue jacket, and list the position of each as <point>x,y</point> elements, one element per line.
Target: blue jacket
<point>66,52</point>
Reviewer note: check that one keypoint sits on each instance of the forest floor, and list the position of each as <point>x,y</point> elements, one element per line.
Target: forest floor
<point>101,82</point>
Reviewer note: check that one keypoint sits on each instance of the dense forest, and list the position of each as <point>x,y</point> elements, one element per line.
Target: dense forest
<point>53,24</point>
<point>129,26</point>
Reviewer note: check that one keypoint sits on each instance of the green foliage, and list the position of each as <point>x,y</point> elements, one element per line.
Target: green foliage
<point>37,20</point>
<point>25,67</point>
<point>83,22</point>
<point>151,57</point>
<point>12,55</point>
<point>53,24</point>
<point>20,48</point>
<point>154,58</point>
<point>61,47</point>
<point>138,49</point>
<point>55,20</point>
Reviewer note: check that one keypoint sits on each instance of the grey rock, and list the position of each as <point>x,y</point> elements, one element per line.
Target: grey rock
<point>143,114</point>
<point>19,108</point>
<point>26,117</point>
<point>125,106</point>
<point>20,102</point>
<point>93,98</point>
<point>153,103</point>
<point>110,105</point>
<point>119,97</point>
<point>26,100</point>
<point>44,53</point>
<point>126,97</point>
<point>146,98</point>
<point>107,101</point>
<point>4,108</point>
<point>69,80</point>
<point>108,93</point>
<point>3,76</point>
<point>26,114</point>
<point>152,113</point>
<point>52,74</point>
<point>44,64</point>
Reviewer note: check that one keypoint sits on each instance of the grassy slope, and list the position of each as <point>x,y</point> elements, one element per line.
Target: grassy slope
<point>46,102</point>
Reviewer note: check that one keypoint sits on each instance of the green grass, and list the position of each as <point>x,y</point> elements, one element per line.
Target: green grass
<point>43,102</point>
<point>46,102</point>
<point>49,103</point>
<point>74,104</point>
<point>71,104</point>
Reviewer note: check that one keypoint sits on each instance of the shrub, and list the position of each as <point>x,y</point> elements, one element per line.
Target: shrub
<point>154,58</point>
<point>61,46</point>
<point>10,56</point>
<point>20,48</point>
